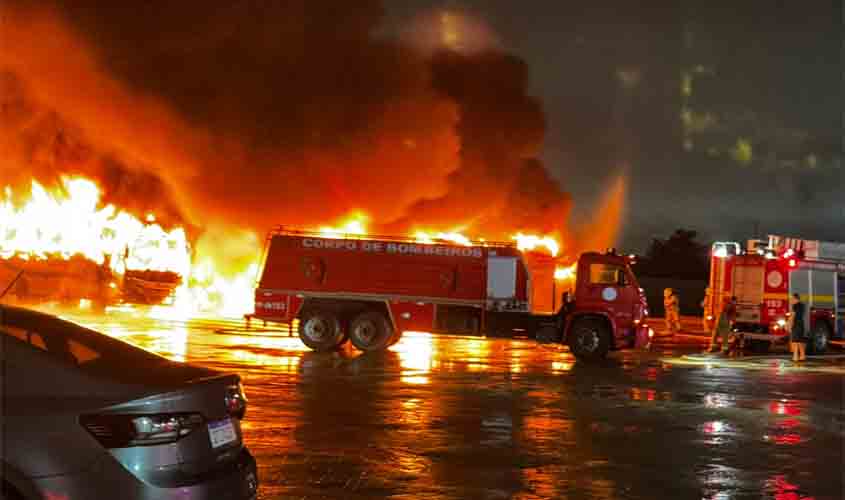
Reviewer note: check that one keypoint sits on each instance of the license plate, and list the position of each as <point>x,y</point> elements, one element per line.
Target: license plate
<point>221,433</point>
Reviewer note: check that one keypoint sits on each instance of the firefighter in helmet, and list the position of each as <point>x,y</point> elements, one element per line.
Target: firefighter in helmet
<point>672,311</point>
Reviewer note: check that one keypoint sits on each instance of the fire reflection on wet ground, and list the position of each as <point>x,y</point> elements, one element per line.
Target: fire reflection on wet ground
<point>448,417</point>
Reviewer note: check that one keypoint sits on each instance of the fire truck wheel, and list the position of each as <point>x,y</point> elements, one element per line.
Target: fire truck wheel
<point>371,331</point>
<point>819,339</point>
<point>547,334</point>
<point>589,339</point>
<point>320,330</point>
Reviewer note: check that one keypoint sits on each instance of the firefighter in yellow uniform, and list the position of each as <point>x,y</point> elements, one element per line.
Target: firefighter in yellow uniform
<point>707,306</point>
<point>672,314</point>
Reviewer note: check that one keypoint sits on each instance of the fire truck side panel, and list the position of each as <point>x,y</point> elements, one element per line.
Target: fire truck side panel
<point>304,264</point>
<point>276,306</point>
<point>412,316</point>
<point>775,292</point>
<point>748,288</point>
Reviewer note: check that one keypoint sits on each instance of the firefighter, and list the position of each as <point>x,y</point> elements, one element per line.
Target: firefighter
<point>795,327</point>
<point>672,308</point>
<point>725,318</point>
<point>707,306</point>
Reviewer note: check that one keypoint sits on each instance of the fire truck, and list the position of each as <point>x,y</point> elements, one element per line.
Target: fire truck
<point>766,273</point>
<point>369,290</point>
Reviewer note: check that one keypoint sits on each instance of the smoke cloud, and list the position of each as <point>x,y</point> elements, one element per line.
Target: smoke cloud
<point>252,114</point>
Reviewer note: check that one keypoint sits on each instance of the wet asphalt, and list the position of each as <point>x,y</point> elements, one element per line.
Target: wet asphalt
<point>448,417</point>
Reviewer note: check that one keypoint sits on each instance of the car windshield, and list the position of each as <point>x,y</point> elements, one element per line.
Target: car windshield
<point>71,342</point>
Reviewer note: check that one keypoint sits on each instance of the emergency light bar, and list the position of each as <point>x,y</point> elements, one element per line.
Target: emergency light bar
<point>724,249</point>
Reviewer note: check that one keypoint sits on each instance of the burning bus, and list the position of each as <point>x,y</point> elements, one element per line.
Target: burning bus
<point>66,248</point>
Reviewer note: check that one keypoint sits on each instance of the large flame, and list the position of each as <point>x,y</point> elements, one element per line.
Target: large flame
<point>531,242</point>
<point>69,221</point>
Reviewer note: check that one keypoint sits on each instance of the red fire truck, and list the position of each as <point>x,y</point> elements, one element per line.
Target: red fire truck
<point>370,289</point>
<point>763,276</point>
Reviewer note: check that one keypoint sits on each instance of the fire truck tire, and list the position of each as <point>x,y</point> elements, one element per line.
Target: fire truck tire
<point>548,335</point>
<point>589,339</point>
<point>371,331</point>
<point>320,330</point>
<point>819,339</point>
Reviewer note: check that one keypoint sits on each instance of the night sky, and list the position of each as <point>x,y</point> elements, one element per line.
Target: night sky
<point>783,60</point>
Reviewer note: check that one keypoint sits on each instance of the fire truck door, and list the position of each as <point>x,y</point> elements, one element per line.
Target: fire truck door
<point>748,289</point>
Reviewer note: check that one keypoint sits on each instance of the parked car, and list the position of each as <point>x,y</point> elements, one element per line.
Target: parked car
<point>87,416</point>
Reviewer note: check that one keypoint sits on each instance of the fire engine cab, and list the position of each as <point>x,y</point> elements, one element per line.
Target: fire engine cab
<point>766,273</point>
<point>368,290</point>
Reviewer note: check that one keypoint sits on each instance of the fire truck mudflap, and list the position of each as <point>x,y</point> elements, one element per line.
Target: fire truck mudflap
<point>368,290</point>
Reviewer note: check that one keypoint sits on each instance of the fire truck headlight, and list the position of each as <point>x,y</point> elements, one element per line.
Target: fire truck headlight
<point>781,322</point>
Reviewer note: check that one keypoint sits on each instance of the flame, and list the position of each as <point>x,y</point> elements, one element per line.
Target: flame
<point>452,237</point>
<point>69,221</point>
<point>354,225</point>
<point>530,242</point>
<point>565,273</point>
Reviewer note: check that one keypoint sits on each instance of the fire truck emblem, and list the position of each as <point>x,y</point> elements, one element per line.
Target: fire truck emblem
<point>313,269</point>
<point>609,294</point>
<point>447,280</point>
<point>774,279</point>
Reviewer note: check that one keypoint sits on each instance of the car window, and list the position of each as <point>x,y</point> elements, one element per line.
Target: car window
<point>67,349</point>
<point>606,274</point>
<point>23,335</point>
<point>37,341</point>
<point>13,331</point>
<point>72,343</point>
<point>81,352</point>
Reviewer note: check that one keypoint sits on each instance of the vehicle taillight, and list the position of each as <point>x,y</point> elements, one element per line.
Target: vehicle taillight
<point>124,431</point>
<point>236,401</point>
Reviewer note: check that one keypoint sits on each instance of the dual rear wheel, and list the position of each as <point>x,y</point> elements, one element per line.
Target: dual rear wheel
<point>322,330</point>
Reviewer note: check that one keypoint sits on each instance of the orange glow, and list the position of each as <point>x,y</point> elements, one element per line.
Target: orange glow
<point>565,273</point>
<point>416,356</point>
<point>452,237</point>
<point>530,242</point>
<point>354,225</point>
<point>70,221</point>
